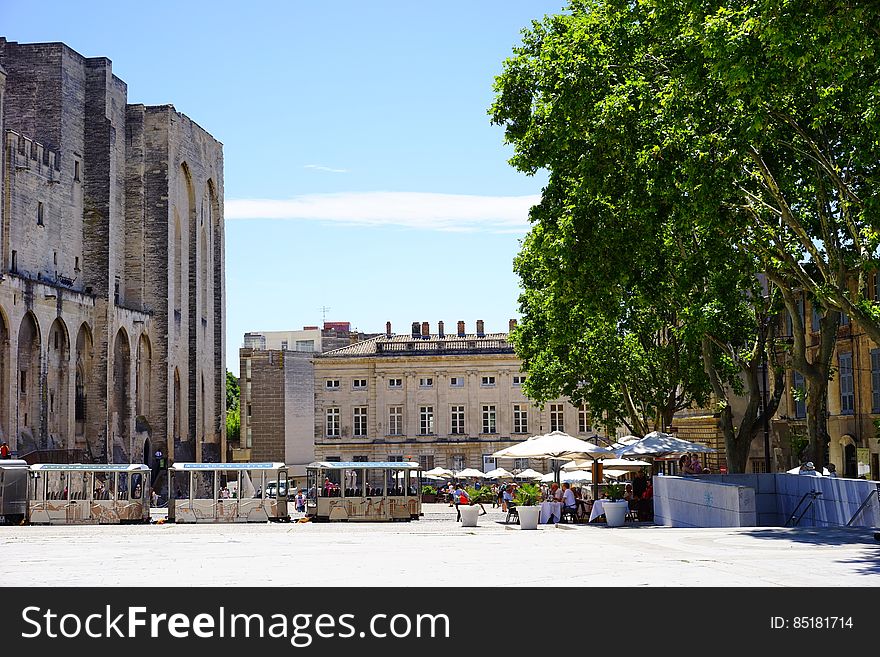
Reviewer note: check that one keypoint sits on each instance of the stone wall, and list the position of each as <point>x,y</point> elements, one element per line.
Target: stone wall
<point>765,500</point>
<point>92,334</point>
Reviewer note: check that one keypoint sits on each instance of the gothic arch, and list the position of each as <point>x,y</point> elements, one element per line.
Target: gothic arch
<point>82,379</point>
<point>58,385</point>
<point>120,398</point>
<point>143,372</point>
<point>30,433</point>
<point>4,377</point>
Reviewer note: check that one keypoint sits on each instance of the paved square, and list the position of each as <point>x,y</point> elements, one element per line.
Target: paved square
<point>436,551</point>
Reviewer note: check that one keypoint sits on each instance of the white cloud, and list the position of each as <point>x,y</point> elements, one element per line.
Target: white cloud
<point>319,167</point>
<point>425,211</point>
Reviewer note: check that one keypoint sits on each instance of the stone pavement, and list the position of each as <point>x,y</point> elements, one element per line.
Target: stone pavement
<point>436,551</point>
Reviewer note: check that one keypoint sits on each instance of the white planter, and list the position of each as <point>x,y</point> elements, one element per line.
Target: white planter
<point>469,515</point>
<point>615,512</point>
<point>528,516</point>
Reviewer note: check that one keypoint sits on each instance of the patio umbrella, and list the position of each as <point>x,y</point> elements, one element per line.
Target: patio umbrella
<point>618,464</point>
<point>614,474</point>
<point>555,445</point>
<point>658,444</point>
<point>568,477</point>
<point>469,473</point>
<point>797,470</point>
<point>441,473</point>
<point>499,473</point>
<point>528,474</point>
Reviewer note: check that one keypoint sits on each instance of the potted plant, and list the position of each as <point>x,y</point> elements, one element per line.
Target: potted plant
<point>526,500</point>
<point>429,494</point>
<point>615,507</point>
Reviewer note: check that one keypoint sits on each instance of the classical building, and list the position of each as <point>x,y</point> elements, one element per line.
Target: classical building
<point>443,399</point>
<point>112,293</point>
<point>853,404</point>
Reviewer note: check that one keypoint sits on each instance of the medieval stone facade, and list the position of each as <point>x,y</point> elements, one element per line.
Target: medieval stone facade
<point>112,294</point>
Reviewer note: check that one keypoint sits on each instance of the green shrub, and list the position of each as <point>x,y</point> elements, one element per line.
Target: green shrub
<point>428,490</point>
<point>527,495</point>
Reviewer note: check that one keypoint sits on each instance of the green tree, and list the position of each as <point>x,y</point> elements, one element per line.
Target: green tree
<point>233,391</point>
<point>233,412</point>
<point>639,233</point>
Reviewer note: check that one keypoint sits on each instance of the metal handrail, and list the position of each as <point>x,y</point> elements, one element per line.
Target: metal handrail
<point>812,495</point>
<point>874,492</point>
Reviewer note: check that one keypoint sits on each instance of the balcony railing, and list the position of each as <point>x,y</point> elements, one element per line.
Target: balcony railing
<point>443,347</point>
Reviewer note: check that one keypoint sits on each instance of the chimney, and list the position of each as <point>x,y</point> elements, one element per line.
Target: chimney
<point>387,329</point>
<point>480,332</point>
<point>461,329</point>
<point>440,332</point>
<point>426,330</point>
<point>511,325</point>
<point>415,329</point>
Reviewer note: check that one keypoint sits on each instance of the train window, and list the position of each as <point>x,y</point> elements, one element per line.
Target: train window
<point>312,483</point>
<point>122,490</point>
<point>396,483</point>
<point>137,486</point>
<point>353,483</point>
<point>56,485</point>
<point>80,485</point>
<point>331,484</point>
<point>374,483</point>
<point>203,485</point>
<point>102,486</point>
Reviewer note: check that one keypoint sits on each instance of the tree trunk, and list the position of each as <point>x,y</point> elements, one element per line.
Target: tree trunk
<point>817,422</point>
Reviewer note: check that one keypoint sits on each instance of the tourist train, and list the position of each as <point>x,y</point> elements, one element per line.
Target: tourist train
<point>76,494</point>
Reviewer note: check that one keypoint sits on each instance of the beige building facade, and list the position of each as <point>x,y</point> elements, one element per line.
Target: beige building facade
<point>112,290</point>
<point>444,399</point>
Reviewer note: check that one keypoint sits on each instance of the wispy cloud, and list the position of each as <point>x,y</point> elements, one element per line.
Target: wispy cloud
<point>318,167</point>
<point>424,211</point>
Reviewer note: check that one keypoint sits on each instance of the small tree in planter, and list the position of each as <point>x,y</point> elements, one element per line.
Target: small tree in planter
<point>615,506</point>
<point>614,492</point>
<point>526,500</point>
<point>429,494</point>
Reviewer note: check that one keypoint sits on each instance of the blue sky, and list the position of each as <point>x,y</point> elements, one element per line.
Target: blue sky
<point>361,171</point>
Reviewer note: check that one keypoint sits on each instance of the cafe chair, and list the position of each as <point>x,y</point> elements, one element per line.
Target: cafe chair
<point>511,513</point>
<point>570,513</point>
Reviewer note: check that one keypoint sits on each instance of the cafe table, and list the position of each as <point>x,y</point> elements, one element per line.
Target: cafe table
<point>550,512</point>
<point>597,509</point>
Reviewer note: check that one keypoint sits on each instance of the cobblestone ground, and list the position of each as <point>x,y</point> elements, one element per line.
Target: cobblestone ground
<point>436,551</point>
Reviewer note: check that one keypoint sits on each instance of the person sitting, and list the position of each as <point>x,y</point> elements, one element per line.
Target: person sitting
<point>507,498</point>
<point>555,494</point>
<point>697,466</point>
<point>809,469</point>
<point>569,501</point>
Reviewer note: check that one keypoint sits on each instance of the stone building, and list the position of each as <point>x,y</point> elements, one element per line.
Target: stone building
<point>112,293</point>
<point>443,399</point>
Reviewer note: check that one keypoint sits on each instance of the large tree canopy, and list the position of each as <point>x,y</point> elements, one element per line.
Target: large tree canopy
<point>690,146</point>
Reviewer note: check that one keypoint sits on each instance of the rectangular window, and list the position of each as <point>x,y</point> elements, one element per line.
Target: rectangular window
<point>456,382</point>
<point>332,384</point>
<point>557,418</point>
<point>846,383</point>
<point>426,420</point>
<point>395,383</point>
<point>284,345</point>
<point>488,381</point>
<point>76,263</point>
<point>459,462</point>
<point>518,379</point>
<point>359,384</point>
<point>520,418</point>
<point>759,466</point>
<point>426,382</point>
<point>456,420</point>
<point>76,170</point>
<point>875,380</point>
<point>14,267</point>
<point>333,423</point>
<point>844,319</point>
<point>360,458</point>
<point>584,420</point>
<point>426,461</point>
<point>249,409</point>
<point>489,419</point>
<point>520,464</point>
<point>395,420</point>
<point>489,463</point>
<point>39,213</point>
<point>305,345</point>
<point>360,421</point>
<point>395,457</point>
<point>800,404</point>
